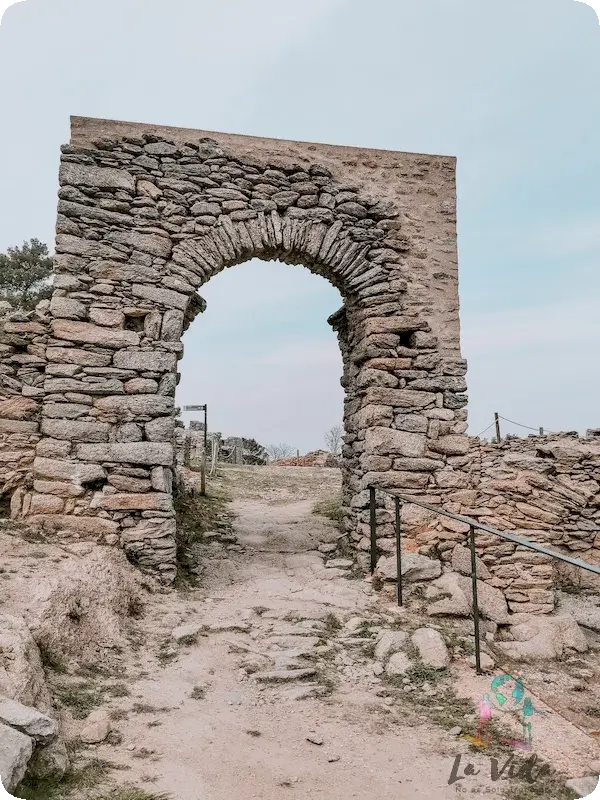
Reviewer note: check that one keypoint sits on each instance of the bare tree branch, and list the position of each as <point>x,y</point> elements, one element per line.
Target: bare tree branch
<point>333,439</point>
<point>277,451</point>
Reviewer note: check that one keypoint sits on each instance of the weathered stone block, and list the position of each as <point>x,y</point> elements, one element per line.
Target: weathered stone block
<point>386,441</point>
<point>28,720</point>
<point>146,360</point>
<point>129,432</point>
<point>65,411</point>
<point>451,445</point>
<point>149,501</point>
<point>432,648</point>
<point>141,405</point>
<point>46,504</point>
<point>153,453</point>
<point>109,317</point>
<point>160,430</point>
<point>140,386</point>
<point>396,480</point>
<point>125,483</point>
<point>22,427</point>
<point>85,358</point>
<point>67,308</point>
<point>172,326</point>
<point>162,479</point>
<point>374,415</point>
<point>399,398</point>
<point>59,385</point>
<point>73,471</point>
<point>52,448</point>
<point>155,245</point>
<point>17,408</point>
<point>75,431</point>
<point>95,177</point>
<point>413,423</point>
<point>165,297</point>
<point>15,751</point>
<point>149,530</point>
<point>94,334</point>
<point>58,488</point>
<point>86,526</point>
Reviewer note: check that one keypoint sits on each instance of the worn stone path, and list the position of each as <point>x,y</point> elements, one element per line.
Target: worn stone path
<point>264,701</point>
<point>284,673</point>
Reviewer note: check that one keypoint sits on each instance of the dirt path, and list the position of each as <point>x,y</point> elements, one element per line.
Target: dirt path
<point>231,731</point>
<point>260,682</point>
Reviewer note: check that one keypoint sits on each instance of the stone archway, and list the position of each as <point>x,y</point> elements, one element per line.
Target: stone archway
<point>146,216</point>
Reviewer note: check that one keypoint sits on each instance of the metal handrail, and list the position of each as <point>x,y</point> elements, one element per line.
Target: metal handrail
<point>399,499</point>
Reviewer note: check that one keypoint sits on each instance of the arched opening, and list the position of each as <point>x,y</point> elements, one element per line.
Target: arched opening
<point>264,359</point>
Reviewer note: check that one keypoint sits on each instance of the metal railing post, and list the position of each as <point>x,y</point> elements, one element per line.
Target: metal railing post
<point>203,462</point>
<point>398,505</point>
<point>373,521</point>
<point>475,602</point>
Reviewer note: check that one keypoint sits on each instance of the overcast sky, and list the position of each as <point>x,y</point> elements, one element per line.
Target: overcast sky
<point>509,88</point>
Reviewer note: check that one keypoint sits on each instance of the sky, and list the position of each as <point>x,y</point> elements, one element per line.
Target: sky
<point>510,89</point>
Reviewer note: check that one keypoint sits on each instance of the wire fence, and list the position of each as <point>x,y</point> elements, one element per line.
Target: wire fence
<point>540,429</point>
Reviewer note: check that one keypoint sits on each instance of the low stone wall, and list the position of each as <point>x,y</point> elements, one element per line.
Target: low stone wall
<point>22,351</point>
<point>35,474</point>
<point>543,488</point>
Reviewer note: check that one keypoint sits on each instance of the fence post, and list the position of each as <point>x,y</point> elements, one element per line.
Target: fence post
<point>497,421</point>
<point>398,549</point>
<point>475,601</point>
<point>373,520</point>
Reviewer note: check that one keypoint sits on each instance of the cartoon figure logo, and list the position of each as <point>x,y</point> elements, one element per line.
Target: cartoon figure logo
<point>4,795</point>
<point>507,696</point>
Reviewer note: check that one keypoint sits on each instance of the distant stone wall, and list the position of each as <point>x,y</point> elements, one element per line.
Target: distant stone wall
<point>542,488</point>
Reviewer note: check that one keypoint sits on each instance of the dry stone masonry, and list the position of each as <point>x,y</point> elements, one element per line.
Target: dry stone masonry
<point>146,216</point>
<point>90,444</point>
<point>542,488</point>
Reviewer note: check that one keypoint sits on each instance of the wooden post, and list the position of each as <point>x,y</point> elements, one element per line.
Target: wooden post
<point>187,447</point>
<point>297,458</point>
<point>497,421</point>
<point>541,431</point>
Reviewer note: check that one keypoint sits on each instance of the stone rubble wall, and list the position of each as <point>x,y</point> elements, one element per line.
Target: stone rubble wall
<point>542,488</point>
<point>22,348</point>
<point>146,216</point>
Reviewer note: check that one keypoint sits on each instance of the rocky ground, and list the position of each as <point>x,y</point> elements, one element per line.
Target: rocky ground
<point>274,668</point>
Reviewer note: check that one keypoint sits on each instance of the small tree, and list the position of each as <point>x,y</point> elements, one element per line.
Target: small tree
<point>277,451</point>
<point>333,439</point>
<point>25,274</point>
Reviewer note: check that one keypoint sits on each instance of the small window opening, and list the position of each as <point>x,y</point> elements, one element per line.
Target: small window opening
<point>406,338</point>
<point>135,322</point>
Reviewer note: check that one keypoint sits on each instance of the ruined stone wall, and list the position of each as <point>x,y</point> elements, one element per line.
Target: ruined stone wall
<point>22,374</point>
<point>146,216</point>
<point>542,488</point>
